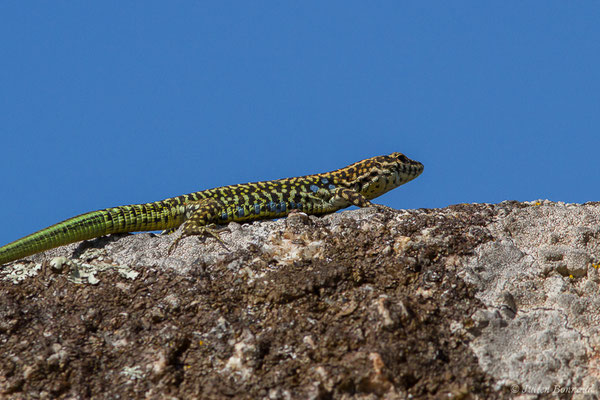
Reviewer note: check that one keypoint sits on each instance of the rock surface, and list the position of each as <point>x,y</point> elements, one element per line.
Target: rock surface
<point>470,301</point>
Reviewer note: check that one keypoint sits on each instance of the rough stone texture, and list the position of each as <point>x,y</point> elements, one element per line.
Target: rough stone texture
<point>539,282</point>
<point>470,301</point>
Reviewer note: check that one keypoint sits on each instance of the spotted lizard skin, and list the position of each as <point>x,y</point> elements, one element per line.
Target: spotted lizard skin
<point>200,212</point>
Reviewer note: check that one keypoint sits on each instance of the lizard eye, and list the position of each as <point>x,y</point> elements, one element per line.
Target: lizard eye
<point>401,157</point>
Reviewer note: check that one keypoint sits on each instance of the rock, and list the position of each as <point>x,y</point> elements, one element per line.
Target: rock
<point>469,301</point>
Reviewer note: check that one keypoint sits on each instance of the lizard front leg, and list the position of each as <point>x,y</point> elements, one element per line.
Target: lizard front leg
<point>199,221</point>
<point>352,197</point>
<point>356,199</point>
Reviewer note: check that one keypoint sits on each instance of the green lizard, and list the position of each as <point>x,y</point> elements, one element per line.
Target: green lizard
<point>199,212</point>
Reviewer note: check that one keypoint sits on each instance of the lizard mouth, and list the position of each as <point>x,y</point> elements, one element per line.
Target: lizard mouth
<point>412,170</point>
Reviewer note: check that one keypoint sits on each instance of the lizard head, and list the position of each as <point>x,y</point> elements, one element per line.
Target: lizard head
<point>378,175</point>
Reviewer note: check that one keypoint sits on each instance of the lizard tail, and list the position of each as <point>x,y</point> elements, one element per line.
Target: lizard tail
<point>131,218</point>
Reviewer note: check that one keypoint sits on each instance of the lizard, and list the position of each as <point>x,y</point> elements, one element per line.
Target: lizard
<point>200,212</point>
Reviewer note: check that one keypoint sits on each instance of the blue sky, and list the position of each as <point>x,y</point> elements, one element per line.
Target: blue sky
<point>116,103</point>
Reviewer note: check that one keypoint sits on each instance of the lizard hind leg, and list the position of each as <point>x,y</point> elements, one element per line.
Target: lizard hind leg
<point>199,223</point>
